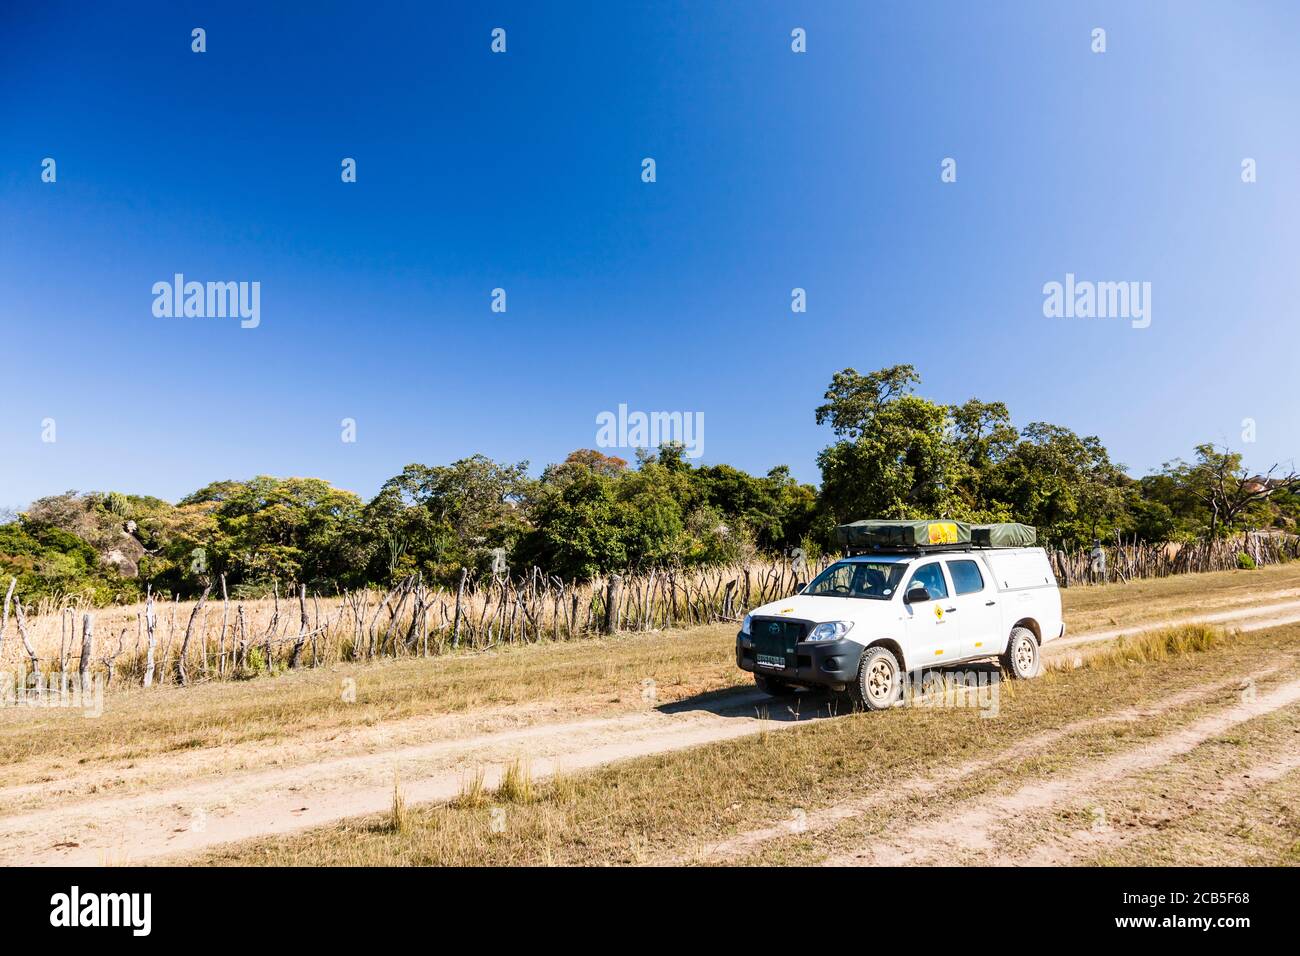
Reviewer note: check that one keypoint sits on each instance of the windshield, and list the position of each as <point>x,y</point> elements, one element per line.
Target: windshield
<point>859,579</point>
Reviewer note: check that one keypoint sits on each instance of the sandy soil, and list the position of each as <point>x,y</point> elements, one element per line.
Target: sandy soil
<point>968,827</point>
<point>233,793</point>
<point>920,785</point>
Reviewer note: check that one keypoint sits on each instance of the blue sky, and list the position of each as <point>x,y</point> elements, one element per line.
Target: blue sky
<point>775,170</point>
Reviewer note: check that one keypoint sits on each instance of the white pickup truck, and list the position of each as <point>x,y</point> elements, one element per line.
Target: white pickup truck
<point>866,622</point>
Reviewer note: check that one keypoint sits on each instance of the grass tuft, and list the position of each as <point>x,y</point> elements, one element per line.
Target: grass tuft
<point>472,791</point>
<point>517,784</point>
<point>398,819</point>
<point>1157,646</point>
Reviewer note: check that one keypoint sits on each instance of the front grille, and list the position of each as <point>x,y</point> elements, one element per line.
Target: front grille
<point>775,640</point>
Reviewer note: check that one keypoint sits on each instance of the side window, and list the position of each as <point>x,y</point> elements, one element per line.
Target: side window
<point>932,577</point>
<point>966,577</point>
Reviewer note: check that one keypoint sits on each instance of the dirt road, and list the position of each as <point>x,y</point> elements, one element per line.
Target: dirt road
<point>310,783</point>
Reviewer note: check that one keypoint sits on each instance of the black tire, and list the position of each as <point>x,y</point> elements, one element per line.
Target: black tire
<point>879,685</point>
<point>776,688</point>
<point>1021,660</point>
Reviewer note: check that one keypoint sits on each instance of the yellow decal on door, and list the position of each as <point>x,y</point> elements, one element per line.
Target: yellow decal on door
<point>938,612</point>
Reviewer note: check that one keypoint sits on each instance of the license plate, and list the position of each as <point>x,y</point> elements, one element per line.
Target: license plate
<point>771,660</point>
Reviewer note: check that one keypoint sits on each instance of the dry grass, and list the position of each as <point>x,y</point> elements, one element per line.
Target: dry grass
<point>473,792</point>
<point>1120,605</point>
<point>1150,646</point>
<point>658,807</point>
<point>1231,801</point>
<point>254,638</point>
<point>399,820</point>
<point>600,675</point>
<point>241,639</point>
<point>1258,828</point>
<point>605,675</point>
<point>516,784</point>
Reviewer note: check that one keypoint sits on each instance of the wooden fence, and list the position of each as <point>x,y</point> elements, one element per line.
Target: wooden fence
<point>182,642</point>
<point>215,638</point>
<point>1126,561</point>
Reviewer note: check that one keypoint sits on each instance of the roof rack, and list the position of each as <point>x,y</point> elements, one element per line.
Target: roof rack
<point>858,551</point>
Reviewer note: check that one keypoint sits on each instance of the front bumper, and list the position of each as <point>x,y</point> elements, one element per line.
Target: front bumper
<point>817,663</point>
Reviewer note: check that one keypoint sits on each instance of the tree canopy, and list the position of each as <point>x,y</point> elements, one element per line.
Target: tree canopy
<point>894,454</point>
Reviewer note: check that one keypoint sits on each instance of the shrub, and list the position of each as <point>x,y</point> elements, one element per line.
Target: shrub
<point>1245,562</point>
<point>1160,645</point>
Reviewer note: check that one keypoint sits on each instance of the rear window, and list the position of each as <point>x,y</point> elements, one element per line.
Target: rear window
<point>966,577</point>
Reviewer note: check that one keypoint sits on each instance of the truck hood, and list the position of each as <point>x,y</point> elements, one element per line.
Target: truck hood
<point>818,609</point>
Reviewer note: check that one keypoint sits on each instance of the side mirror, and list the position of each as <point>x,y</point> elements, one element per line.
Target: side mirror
<point>916,595</point>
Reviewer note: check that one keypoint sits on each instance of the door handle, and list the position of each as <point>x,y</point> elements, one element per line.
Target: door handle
<point>990,603</point>
<point>950,610</point>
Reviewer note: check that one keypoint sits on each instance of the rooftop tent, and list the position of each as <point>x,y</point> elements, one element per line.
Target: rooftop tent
<point>903,534</point>
<point>1008,535</point>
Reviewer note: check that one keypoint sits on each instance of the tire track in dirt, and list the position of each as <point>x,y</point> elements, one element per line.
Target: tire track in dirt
<point>816,821</point>
<point>224,807</point>
<point>1075,848</point>
<point>968,828</point>
<point>1286,612</point>
<point>132,828</point>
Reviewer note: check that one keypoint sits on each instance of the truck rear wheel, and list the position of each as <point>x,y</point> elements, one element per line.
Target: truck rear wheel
<point>770,685</point>
<point>1021,658</point>
<point>880,680</point>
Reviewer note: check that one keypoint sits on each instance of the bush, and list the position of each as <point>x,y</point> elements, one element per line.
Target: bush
<point>256,663</point>
<point>1245,562</point>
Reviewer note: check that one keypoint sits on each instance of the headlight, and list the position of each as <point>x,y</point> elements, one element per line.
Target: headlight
<point>744,628</point>
<point>830,631</point>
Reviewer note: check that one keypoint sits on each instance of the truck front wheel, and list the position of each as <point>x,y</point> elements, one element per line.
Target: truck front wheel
<point>1021,658</point>
<point>879,685</point>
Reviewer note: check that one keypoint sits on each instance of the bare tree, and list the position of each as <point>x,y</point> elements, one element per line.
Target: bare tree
<point>1227,489</point>
<point>4,622</point>
<point>150,626</point>
<point>181,677</point>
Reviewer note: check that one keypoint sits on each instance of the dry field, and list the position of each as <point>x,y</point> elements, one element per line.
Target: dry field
<point>231,639</point>
<point>1080,766</point>
<point>218,637</point>
<point>643,748</point>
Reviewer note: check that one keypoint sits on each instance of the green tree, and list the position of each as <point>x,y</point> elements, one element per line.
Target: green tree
<point>445,517</point>
<point>895,457</point>
<point>1063,483</point>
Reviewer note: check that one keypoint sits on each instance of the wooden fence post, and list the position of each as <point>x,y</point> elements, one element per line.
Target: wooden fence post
<point>87,649</point>
<point>4,622</point>
<point>303,623</point>
<point>613,594</point>
<point>150,626</point>
<point>460,594</point>
<point>181,677</point>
